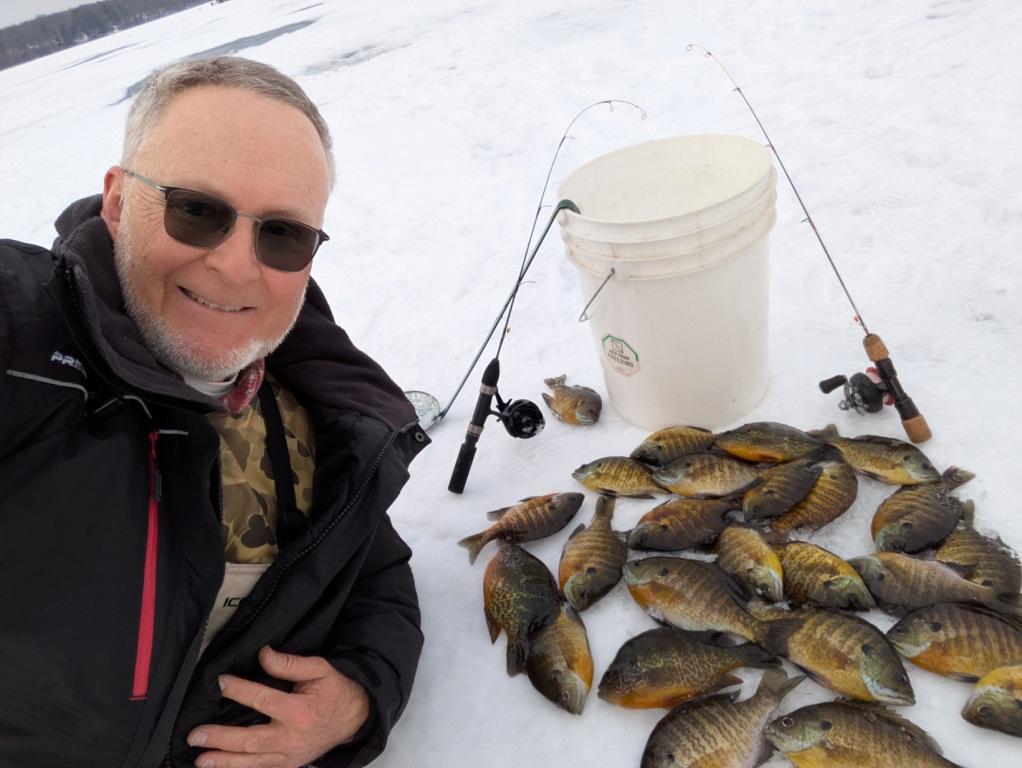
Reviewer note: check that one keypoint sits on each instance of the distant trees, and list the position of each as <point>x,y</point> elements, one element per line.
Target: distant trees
<point>44,35</point>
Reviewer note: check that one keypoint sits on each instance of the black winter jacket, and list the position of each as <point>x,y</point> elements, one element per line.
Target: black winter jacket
<point>111,551</point>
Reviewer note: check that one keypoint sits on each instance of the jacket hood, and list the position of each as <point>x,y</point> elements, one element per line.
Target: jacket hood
<point>317,360</point>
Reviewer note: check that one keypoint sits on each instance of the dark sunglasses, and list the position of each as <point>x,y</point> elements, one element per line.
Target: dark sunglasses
<point>205,221</point>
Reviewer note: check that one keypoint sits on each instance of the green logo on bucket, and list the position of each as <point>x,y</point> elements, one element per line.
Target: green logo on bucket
<point>620,355</point>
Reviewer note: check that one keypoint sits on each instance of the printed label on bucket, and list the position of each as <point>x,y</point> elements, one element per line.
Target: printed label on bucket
<point>621,356</point>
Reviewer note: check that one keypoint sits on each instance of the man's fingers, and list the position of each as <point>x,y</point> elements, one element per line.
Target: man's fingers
<point>288,666</point>
<point>262,698</point>
<point>229,738</point>
<point>238,760</point>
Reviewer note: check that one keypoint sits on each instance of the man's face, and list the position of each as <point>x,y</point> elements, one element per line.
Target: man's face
<point>209,312</point>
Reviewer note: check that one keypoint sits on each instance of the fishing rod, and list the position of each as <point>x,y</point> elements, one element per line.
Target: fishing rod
<point>521,418</point>
<point>864,393</point>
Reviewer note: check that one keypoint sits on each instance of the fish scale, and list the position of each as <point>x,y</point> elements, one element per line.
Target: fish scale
<point>955,640</point>
<point>900,582</point>
<point>842,734</point>
<point>717,732</point>
<point>592,559</point>
<point>991,562</point>
<point>832,646</point>
<point>914,518</point>
<point>834,492</point>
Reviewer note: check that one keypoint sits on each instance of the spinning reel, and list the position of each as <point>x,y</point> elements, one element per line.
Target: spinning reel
<point>869,392</point>
<point>521,418</point>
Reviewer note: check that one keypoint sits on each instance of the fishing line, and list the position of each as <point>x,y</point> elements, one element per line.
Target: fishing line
<point>526,261</point>
<point>858,315</point>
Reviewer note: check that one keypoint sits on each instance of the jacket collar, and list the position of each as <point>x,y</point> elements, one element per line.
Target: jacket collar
<point>317,360</point>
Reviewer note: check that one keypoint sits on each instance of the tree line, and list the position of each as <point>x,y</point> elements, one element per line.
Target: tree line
<point>44,35</point>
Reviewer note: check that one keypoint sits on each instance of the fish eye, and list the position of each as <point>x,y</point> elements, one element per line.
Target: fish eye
<point>936,626</point>
<point>663,571</point>
<point>769,492</point>
<point>900,678</point>
<point>787,722</point>
<point>927,465</point>
<point>881,576</point>
<point>663,526</point>
<point>906,526</point>
<point>900,630</point>
<point>985,710</point>
<point>826,725</point>
<point>987,583</point>
<point>590,571</point>
<point>867,649</point>
<point>755,509</point>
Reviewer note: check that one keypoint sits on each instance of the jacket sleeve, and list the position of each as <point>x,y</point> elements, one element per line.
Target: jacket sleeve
<point>376,641</point>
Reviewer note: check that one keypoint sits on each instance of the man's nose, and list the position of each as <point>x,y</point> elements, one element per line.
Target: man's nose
<point>235,258</point>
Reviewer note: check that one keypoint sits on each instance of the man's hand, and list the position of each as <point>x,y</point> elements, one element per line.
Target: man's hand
<point>324,709</point>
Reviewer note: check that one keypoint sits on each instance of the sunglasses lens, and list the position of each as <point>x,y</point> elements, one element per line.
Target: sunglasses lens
<point>286,245</point>
<point>197,219</point>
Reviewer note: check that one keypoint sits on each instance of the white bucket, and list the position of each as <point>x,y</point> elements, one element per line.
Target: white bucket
<point>681,325</point>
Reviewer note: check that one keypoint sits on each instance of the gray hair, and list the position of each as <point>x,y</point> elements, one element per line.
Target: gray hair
<point>160,88</point>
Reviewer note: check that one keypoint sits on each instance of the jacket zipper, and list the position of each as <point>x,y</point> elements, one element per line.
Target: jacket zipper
<point>147,614</point>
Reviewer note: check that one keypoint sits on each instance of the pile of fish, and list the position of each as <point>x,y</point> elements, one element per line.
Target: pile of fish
<point>747,498</point>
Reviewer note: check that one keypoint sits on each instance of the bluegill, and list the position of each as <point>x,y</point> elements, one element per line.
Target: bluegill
<point>681,524</point>
<point>706,475</point>
<point>915,518</point>
<point>666,445</point>
<point>983,560</point>
<point>559,663</point>
<point>618,476</point>
<point>816,576</point>
<point>665,667</point>
<point>767,441</point>
<point>573,405</point>
<point>996,701</point>
<point>882,458</point>
<point>519,596</point>
<point>829,498</point>
<point>718,732</point>
<point>840,652</point>
<point>849,734</point>
<point>780,488</point>
<point>742,552</point>
<point>901,583</point>
<point>957,640</point>
<point>592,559</point>
<point>528,520</point>
<point>690,594</point>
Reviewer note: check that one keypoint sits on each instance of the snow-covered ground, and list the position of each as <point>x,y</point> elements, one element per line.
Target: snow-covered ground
<point>899,121</point>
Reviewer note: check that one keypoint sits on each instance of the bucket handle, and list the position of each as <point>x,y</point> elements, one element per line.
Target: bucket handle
<point>583,317</point>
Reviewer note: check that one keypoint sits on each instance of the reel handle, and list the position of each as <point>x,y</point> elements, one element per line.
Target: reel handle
<point>912,420</point>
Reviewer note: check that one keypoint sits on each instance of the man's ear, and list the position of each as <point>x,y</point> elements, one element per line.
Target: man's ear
<point>113,189</point>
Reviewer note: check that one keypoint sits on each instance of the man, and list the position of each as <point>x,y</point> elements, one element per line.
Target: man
<point>195,462</point>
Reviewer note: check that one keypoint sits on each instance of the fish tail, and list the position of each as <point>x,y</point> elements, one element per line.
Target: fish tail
<point>474,545</point>
<point>754,656</point>
<point>777,684</point>
<point>556,381</point>
<point>517,651</point>
<point>828,431</point>
<point>605,507</point>
<point>956,476</point>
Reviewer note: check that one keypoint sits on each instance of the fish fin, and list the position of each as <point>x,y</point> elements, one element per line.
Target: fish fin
<point>956,476</point>
<point>969,512</point>
<point>496,514</point>
<point>637,495</point>
<point>775,682</point>
<point>491,625</point>
<point>605,507</point>
<point>822,455</point>
<point>474,545</point>
<point>549,401</point>
<point>774,537</point>
<point>725,680</point>
<point>765,753</point>
<point>880,712</point>
<point>774,634</point>
<point>581,527</point>
<point>517,651</point>
<point>828,431</point>
<point>556,381</point>
<point>751,655</point>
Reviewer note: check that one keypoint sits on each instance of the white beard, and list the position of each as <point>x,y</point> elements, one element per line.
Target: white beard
<point>170,347</point>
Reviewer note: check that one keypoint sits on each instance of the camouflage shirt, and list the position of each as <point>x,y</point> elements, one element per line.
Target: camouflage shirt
<point>249,497</point>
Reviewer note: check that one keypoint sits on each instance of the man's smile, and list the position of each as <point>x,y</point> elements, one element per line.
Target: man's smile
<point>210,304</point>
